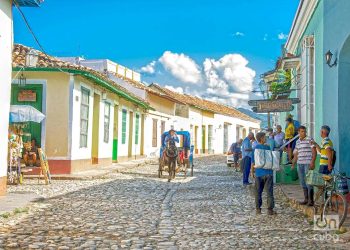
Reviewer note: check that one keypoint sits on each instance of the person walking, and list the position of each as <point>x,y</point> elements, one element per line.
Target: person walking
<point>326,151</point>
<point>236,151</point>
<point>247,153</point>
<point>305,156</point>
<point>263,180</point>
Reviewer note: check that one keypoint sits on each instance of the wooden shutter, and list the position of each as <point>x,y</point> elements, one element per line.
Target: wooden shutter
<point>163,127</point>
<point>154,133</point>
<point>124,126</point>
<point>137,122</point>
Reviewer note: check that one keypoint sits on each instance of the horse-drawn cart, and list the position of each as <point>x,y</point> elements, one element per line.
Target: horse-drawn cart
<point>176,158</point>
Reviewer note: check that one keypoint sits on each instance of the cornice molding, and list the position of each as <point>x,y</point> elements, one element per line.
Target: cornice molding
<point>304,13</point>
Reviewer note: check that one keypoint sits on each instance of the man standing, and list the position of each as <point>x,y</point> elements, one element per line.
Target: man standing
<point>289,136</point>
<point>326,151</point>
<point>263,180</point>
<point>279,136</point>
<point>247,153</point>
<point>236,151</point>
<point>305,156</point>
<point>270,140</point>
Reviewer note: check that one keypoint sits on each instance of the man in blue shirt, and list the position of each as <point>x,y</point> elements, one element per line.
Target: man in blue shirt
<point>247,153</point>
<point>236,151</point>
<point>263,179</point>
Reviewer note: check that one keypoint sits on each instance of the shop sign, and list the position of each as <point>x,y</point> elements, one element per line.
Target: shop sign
<point>265,106</point>
<point>26,96</point>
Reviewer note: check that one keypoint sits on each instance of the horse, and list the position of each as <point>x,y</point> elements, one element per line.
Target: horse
<point>170,158</point>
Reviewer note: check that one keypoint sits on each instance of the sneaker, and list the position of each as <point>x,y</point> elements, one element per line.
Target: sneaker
<point>271,212</point>
<point>258,211</point>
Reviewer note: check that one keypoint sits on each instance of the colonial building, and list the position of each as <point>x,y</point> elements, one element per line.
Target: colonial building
<point>6,45</point>
<point>89,118</point>
<point>318,54</point>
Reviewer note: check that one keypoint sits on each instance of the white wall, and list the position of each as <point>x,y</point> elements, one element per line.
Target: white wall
<point>151,151</point>
<point>105,149</point>
<point>6,41</point>
<point>76,151</point>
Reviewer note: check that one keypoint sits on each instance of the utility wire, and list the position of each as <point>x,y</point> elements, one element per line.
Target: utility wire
<point>33,34</point>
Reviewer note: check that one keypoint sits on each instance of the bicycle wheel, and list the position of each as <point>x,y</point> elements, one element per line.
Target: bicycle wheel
<point>336,205</point>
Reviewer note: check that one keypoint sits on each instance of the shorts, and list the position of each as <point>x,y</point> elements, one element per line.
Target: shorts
<point>324,170</point>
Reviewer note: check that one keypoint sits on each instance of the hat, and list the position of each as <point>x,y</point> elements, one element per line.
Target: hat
<point>289,116</point>
<point>172,130</point>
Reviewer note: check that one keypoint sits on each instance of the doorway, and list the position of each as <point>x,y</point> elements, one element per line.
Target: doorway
<point>203,138</point>
<point>95,129</point>
<point>31,95</point>
<point>195,139</point>
<point>115,135</point>
<point>131,131</point>
<point>225,138</point>
<point>343,109</point>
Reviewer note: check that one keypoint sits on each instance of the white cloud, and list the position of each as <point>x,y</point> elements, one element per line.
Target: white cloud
<point>149,68</point>
<point>175,89</point>
<point>181,67</point>
<point>239,34</point>
<point>282,36</point>
<point>227,80</point>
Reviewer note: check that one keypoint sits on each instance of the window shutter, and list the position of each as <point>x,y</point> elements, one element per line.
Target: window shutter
<point>124,113</point>
<point>137,122</point>
<point>154,133</point>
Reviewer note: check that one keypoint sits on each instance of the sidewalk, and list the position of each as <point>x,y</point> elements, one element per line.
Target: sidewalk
<point>100,172</point>
<point>12,201</point>
<point>294,194</point>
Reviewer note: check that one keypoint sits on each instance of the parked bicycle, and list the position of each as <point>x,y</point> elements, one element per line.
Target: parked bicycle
<point>329,201</point>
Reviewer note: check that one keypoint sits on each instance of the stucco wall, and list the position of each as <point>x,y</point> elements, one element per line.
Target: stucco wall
<point>6,40</point>
<point>161,105</point>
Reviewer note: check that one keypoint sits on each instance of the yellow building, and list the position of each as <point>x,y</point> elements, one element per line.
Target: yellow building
<point>90,120</point>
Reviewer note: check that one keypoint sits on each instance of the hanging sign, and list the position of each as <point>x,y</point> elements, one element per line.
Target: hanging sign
<point>26,96</point>
<point>254,103</point>
<point>265,106</point>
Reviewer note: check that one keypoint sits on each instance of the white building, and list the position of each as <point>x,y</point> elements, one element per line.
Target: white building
<point>6,44</point>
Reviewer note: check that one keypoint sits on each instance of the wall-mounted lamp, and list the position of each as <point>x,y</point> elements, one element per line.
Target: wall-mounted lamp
<point>329,56</point>
<point>31,58</point>
<point>22,80</point>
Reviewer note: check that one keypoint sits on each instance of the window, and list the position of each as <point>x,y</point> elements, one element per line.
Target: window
<point>162,127</point>
<point>106,122</point>
<point>154,133</point>
<point>307,92</point>
<point>124,113</point>
<point>84,117</point>
<point>137,125</point>
<point>210,138</point>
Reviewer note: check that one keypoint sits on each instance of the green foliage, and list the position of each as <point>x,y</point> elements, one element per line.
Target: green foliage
<point>5,215</point>
<point>283,83</point>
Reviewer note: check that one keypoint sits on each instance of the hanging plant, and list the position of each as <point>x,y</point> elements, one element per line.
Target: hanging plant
<point>282,84</point>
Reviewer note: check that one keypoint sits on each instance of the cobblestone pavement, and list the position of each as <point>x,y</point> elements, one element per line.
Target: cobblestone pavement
<point>136,210</point>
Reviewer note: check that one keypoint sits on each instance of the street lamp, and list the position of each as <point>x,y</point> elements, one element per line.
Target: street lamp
<point>329,56</point>
<point>31,58</point>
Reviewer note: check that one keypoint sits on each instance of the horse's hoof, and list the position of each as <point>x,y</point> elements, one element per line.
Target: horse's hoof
<point>168,180</point>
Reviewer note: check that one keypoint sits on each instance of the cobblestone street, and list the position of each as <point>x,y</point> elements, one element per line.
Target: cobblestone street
<point>136,210</point>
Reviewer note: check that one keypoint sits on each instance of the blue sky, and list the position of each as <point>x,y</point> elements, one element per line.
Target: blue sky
<point>136,32</point>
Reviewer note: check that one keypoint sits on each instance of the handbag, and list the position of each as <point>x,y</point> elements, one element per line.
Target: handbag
<point>267,159</point>
<point>314,178</point>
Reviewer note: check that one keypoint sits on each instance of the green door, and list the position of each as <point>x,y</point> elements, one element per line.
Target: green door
<point>31,95</point>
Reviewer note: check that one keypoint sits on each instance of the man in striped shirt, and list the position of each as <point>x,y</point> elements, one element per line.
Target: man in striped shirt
<point>305,156</point>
